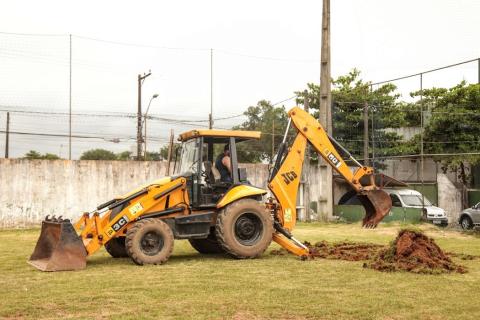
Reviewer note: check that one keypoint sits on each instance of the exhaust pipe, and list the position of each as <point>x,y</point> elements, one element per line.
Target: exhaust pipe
<point>58,248</point>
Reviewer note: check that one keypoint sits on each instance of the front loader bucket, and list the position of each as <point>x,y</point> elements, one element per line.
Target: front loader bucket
<point>377,204</point>
<point>58,248</point>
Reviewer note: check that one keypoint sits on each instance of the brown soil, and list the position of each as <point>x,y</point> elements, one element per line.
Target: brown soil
<point>414,252</point>
<point>350,251</point>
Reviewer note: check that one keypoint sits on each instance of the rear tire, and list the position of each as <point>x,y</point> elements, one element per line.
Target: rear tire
<point>244,229</point>
<point>466,223</point>
<point>149,241</point>
<point>208,245</point>
<point>116,247</point>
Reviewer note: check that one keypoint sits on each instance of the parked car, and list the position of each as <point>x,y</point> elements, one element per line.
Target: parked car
<point>407,198</point>
<point>470,217</point>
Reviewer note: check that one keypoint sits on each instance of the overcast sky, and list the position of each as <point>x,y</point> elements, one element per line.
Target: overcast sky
<point>261,50</point>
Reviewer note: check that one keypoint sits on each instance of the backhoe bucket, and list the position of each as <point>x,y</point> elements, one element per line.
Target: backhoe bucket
<point>58,248</point>
<point>377,204</point>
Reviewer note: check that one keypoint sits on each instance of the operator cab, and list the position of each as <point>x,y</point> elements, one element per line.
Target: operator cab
<point>198,162</point>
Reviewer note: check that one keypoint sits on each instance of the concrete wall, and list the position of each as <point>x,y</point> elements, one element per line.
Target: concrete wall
<point>31,189</point>
<point>449,197</point>
<point>409,170</point>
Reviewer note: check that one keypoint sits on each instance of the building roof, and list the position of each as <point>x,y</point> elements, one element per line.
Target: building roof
<point>238,134</point>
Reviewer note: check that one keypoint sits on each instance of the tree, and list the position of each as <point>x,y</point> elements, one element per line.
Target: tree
<point>164,151</point>
<point>125,155</point>
<point>272,122</point>
<point>98,154</point>
<point>452,126</point>
<point>32,154</point>
<point>50,156</point>
<point>152,156</point>
<point>350,94</point>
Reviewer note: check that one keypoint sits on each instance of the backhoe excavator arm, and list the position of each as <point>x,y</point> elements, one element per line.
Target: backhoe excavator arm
<point>286,173</point>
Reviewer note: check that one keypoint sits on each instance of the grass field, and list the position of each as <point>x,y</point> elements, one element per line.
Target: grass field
<point>192,286</point>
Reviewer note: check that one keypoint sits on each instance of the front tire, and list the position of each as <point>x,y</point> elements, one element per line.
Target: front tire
<point>149,241</point>
<point>466,223</point>
<point>244,229</point>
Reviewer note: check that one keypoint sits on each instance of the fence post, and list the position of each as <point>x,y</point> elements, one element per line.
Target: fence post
<point>70,105</point>
<point>306,170</point>
<point>421,139</point>
<point>365,135</point>
<point>7,135</point>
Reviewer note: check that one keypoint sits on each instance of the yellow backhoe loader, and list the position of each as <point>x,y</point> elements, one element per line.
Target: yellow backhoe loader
<point>227,215</point>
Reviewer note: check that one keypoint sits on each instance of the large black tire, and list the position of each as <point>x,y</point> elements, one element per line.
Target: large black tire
<point>209,245</point>
<point>244,229</point>
<point>466,223</point>
<point>149,241</point>
<point>116,247</point>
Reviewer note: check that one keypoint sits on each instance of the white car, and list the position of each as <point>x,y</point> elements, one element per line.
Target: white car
<point>408,198</point>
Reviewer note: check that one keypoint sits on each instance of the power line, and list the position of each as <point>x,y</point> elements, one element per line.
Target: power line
<point>424,72</point>
<point>141,45</point>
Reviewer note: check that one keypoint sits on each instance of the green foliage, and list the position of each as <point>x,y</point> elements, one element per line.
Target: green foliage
<point>350,95</point>
<point>98,154</point>
<point>32,154</point>
<point>452,125</point>
<point>272,122</point>
<point>152,156</point>
<point>164,151</point>
<point>125,155</point>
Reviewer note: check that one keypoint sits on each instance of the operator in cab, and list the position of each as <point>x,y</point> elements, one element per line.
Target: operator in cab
<point>224,165</point>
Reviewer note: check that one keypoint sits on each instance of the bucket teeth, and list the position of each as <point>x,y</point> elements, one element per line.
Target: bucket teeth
<point>47,217</point>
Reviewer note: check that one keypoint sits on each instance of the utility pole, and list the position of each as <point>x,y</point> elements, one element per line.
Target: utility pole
<point>7,135</point>
<point>210,117</point>
<point>170,152</point>
<point>139,114</point>
<point>70,106</point>
<point>365,135</point>
<point>326,198</point>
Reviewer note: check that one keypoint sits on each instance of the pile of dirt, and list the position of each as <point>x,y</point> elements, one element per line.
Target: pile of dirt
<point>413,251</point>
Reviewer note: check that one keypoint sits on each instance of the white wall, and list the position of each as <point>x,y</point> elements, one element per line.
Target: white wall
<point>31,189</point>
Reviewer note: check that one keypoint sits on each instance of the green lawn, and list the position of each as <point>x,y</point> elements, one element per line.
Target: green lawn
<point>198,287</point>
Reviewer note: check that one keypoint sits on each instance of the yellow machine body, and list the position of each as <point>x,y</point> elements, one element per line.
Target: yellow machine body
<point>239,192</point>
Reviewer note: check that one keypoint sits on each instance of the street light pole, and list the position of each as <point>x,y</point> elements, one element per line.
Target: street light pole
<point>145,124</point>
<point>139,113</point>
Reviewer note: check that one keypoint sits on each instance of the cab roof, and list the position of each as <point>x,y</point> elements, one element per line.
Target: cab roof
<point>240,135</point>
